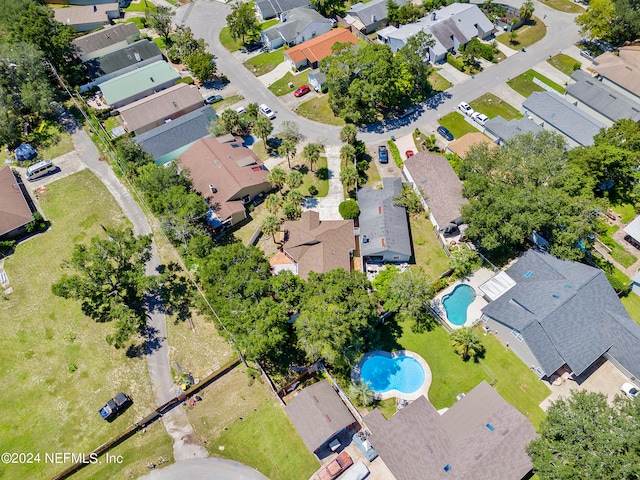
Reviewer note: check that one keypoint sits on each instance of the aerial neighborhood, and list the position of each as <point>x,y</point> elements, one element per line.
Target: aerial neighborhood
<point>305,239</point>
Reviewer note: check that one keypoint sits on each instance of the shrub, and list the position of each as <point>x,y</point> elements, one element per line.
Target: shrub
<point>187,80</point>
<point>621,287</point>
<point>576,66</point>
<point>313,190</point>
<point>349,209</point>
<point>395,153</point>
<point>454,62</point>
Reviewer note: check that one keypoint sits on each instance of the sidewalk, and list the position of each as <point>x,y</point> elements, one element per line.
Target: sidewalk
<point>549,71</point>
<point>452,74</point>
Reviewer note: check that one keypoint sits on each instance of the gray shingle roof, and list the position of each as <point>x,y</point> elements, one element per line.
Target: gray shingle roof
<point>568,313</point>
<point>271,8</point>
<point>562,115</point>
<point>602,98</point>
<point>381,222</point>
<point>103,38</point>
<point>125,57</point>
<point>178,133</point>
<point>297,20</point>
<point>500,128</point>
<point>633,229</point>
<point>372,12</point>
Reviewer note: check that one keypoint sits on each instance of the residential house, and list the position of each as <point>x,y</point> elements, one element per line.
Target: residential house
<point>384,229</point>
<point>439,189</point>
<point>170,140</point>
<point>267,9</point>
<point>633,232</point>
<point>557,314</point>
<point>311,245</point>
<point>461,146</point>
<point>621,71</point>
<point>126,59</point>
<point>481,437</point>
<point>319,415</point>
<point>317,80</point>
<point>451,26</point>
<point>227,174</point>
<point>554,113</point>
<point>14,209</point>
<point>88,17</point>
<point>105,41</point>
<point>500,130</point>
<point>369,17</point>
<point>312,51</point>
<point>138,84</point>
<point>602,102</point>
<point>296,26</point>
<point>159,108</point>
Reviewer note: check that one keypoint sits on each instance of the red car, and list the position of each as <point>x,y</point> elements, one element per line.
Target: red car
<point>409,153</point>
<point>336,467</point>
<point>303,90</point>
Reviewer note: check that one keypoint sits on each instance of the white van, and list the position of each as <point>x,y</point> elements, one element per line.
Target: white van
<point>40,169</point>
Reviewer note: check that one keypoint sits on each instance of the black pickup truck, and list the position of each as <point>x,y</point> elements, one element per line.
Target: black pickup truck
<point>115,406</point>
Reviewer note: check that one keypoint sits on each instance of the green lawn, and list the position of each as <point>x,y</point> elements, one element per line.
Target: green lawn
<point>626,210</point>
<point>46,406</point>
<point>373,175</point>
<point>523,83</point>
<point>318,109</point>
<point>565,63</point>
<point>456,124</point>
<point>111,123</point>
<point>493,106</point>
<point>427,250</point>
<point>632,303</point>
<point>438,82</point>
<point>313,178</point>
<point>232,45</point>
<point>265,62</point>
<point>52,141</point>
<point>162,45</point>
<point>564,6</point>
<point>281,87</point>
<point>528,34</point>
<point>618,253</point>
<point>139,6</point>
<point>139,21</point>
<point>225,102</point>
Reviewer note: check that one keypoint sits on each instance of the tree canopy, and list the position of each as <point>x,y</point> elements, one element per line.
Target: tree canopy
<point>615,21</point>
<point>242,21</point>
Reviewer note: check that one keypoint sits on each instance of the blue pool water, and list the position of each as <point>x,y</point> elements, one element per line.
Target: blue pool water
<point>457,302</point>
<point>404,374</point>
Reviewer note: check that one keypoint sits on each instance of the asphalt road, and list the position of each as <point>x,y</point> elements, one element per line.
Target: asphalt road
<point>206,469</point>
<point>206,18</point>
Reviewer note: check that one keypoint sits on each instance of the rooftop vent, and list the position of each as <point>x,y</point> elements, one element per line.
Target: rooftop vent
<point>315,399</point>
<point>528,274</point>
<point>555,295</point>
<point>568,286</point>
<point>490,427</point>
<point>447,467</point>
<point>95,8</point>
<point>433,16</point>
<point>365,239</point>
<point>151,78</point>
<point>138,57</point>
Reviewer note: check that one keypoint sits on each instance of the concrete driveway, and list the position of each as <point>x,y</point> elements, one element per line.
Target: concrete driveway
<point>206,469</point>
<point>328,206</point>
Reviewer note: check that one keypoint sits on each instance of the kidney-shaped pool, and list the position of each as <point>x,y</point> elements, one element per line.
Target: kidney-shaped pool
<point>383,373</point>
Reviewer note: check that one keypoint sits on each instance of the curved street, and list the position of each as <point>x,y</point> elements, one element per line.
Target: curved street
<point>206,469</point>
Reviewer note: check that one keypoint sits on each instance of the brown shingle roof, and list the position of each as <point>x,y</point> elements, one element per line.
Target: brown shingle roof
<point>85,14</point>
<point>229,167</point>
<point>166,104</point>
<point>317,412</point>
<point>462,145</point>
<point>622,69</point>
<point>440,186</point>
<point>417,443</point>
<point>14,210</point>
<point>320,47</point>
<point>319,246</point>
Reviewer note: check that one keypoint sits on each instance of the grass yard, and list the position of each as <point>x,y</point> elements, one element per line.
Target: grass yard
<point>111,123</point>
<point>523,83</point>
<point>619,254</point>
<point>318,109</point>
<point>159,41</point>
<point>139,6</point>
<point>626,210</point>
<point>566,6</point>
<point>456,124</point>
<point>438,82</point>
<point>528,34</point>
<point>374,179</point>
<point>260,150</point>
<point>493,106</point>
<point>427,250</point>
<point>226,102</point>
<point>281,87</point>
<point>632,303</point>
<point>55,408</point>
<point>265,62</point>
<point>565,63</point>
<point>233,45</point>
<point>140,23</point>
<point>246,230</point>
<point>314,178</point>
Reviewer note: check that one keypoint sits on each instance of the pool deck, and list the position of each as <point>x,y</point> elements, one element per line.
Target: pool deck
<point>474,311</point>
<point>424,390</point>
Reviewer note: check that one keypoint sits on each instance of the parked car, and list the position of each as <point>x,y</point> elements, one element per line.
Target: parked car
<point>383,154</point>
<point>587,54</point>
<point>213,99</point>
<point>444,131</point>
<point>115,406</point>
<point>241,110</point>
<point>480,118</point>
<point>303,90</point>
<point>253,46</point>
<point>266,111</point>
<point>336,467</point>
<point>409,153</point>
<point>630,390</point>
<point>465,108</point>
<point>358,472</point>
<point>361,439</point>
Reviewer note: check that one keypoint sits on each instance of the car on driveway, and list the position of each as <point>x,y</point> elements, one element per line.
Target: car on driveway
<point>213,99</point>
<point>115,406</point>
<point>630,390</point>
<point>358,472</point>
<point>408,154</point>
<point>240,110</point>
<point>587,54</point>
<point>303,90</point>
<point>444,131</point>
<point>465,108</point>
<point>266,111</point>
<point>479,118</point>
<point>335,467</point>
<point>383,154</point>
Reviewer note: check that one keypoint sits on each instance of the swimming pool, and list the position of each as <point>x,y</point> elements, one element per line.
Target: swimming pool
<point>385,373</point>
<point>457,302</point>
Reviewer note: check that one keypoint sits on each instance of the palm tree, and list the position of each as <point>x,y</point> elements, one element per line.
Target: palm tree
<point>466,343</point>
<point>272,202</point>
<point>348,134</point>
<point>311,152</point>
<point>287,149</point>
<point>295,197</point>
<point>271,226</point>
<point>362,391</point>
<point>263,127</point>
<point>294,179</point>
<point>526,10</point>
<point>347,153</point>
<point>513,37</point>
<point>277,177</point>
<point>230,121</point>
<point>348,176</point>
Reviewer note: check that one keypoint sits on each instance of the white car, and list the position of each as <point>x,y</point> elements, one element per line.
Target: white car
<point>465,108</point>
<point>240,110</point>
<point>266,111</point>
<point>358,472</point>
<point>630,390</point>
<point>480,118</point>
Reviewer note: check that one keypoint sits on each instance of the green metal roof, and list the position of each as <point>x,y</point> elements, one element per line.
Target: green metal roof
<point>148,77</point>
